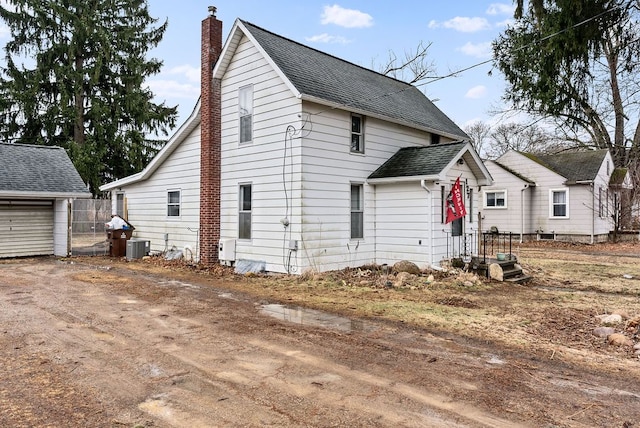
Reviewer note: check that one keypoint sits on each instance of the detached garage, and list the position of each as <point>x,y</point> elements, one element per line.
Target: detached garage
<point>37,187</point>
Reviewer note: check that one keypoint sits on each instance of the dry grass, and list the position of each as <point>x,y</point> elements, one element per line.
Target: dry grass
<point>553,313</point>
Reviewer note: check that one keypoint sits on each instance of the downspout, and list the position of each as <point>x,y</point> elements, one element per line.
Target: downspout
<point>526,186</point>
<point>593,212</point>
<point>423,184</point>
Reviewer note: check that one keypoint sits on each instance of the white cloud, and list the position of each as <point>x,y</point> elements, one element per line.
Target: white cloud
<point>463,24</point>
<point>501,9</point>
<point>326,38</point>
<point>476,92</point>
<point>348,18</point>
<point>173,89</point>
<point>4,31</point>
<point>478,50</point>
<point>190,72</point>
<point>506,23</point>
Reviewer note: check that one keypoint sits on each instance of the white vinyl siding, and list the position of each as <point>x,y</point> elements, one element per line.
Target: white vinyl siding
<point>147,201</point>
<point>261,162</point>
<point>26,228</point>
<point>401,233</point>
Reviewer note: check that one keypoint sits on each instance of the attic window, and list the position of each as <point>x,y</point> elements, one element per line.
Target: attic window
<point>245,110</point>
<point>435,139</point>
<point>357,133</point>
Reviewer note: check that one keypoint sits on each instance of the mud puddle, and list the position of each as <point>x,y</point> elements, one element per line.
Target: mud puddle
<point>313,318</point>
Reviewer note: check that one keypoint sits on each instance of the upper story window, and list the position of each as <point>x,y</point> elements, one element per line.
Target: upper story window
<point>357,133</point>
<point>435,139</point>
<point>357,212</point>
<point>245,111</point>
<point>495,199</point>
<point>173,203</point>
<point>244,212</point>
<point>559,203</point>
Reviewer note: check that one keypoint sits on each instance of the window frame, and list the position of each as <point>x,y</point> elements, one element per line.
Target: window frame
<point>356,211</point>
<point>120,203</point>
<point>602,202</point>
<point>359,148</point>
<point>245,93</point>
<point>243,212</point>
<point>552,204</point>
<point>485,200</point>
<point>174,204</point>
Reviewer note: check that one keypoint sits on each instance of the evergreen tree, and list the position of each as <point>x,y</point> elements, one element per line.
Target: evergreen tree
<point>74,77</point>
<point>577,61</point>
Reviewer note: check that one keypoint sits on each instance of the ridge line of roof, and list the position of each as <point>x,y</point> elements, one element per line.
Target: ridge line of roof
<point>326,54</point>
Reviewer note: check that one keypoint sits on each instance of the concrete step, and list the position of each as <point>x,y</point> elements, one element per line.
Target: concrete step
<point>520,279</point>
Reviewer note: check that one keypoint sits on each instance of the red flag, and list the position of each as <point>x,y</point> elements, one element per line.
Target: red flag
<point>455,203</point>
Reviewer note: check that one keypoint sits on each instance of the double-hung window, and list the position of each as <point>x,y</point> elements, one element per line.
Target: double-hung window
<point>559,203</point>
<point>495,199</point>
<point>173,203</point>
<point>357,212</point>
<point>245,110</point>
<point>120,204</point>
<point>357,133</point>
<point>244,212</point>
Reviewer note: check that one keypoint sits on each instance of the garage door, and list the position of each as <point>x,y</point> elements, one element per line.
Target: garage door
<point>26,228</point>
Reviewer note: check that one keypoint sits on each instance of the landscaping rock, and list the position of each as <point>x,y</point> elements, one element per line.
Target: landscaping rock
<point>611,319</point>
<point>624,314</point>
<point>603,331</point>
<point>406,266</point>
<point>637,346</point>
<point>403,279</point>
<point>496,272</point>
<point>619,339</point>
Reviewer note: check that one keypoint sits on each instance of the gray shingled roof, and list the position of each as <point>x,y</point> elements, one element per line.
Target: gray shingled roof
<point>515,173</point>
<point>27,168</point>
<point>574,166</point>
<point>418,161</point>
<point>326,77</point>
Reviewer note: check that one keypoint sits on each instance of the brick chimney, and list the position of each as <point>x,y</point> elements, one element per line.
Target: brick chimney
<point>210,139</point>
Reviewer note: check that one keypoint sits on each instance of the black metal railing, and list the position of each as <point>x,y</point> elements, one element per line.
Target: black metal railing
<point>464,246</point>
<point>495,243</point>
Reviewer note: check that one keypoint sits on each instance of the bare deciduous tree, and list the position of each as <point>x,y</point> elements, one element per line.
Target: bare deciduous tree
<point>478,131</point>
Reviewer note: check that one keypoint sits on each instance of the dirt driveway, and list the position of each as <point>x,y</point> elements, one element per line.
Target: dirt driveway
<point>84,345</point>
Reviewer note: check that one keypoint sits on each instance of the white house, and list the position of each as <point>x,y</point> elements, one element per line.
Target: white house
<point>298,160</point>
<point>564,196</point>
<point>37,187</point>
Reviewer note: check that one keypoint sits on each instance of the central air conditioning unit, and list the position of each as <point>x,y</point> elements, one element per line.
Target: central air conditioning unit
<point>137,248</point>
<point>227,251</point>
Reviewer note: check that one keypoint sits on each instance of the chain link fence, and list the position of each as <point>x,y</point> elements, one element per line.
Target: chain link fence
<point>88,233</point>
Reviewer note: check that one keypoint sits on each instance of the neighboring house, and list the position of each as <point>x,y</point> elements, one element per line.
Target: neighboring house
<point>37,187</point>
<point>564,196</point>
<point>304,161</point>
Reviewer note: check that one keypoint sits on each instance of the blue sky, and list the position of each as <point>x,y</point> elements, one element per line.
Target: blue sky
<point>362,32</point>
